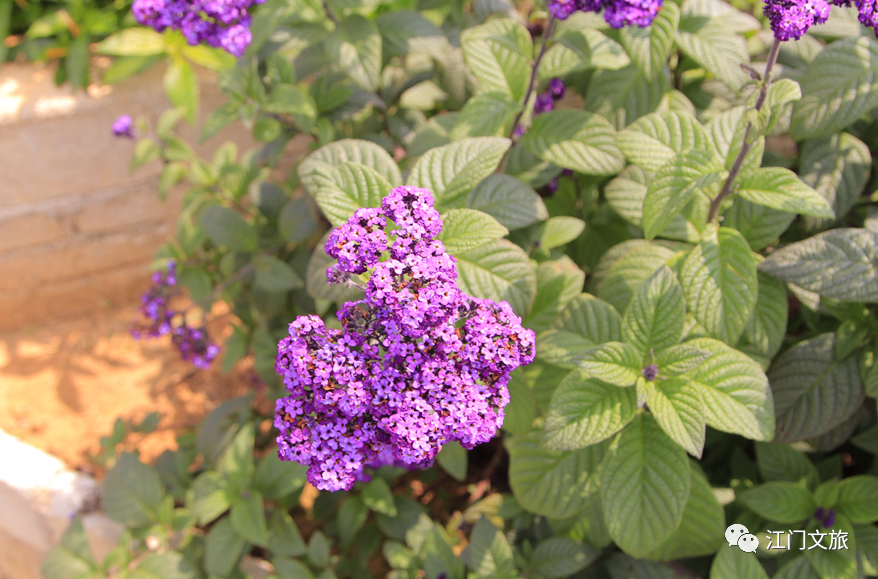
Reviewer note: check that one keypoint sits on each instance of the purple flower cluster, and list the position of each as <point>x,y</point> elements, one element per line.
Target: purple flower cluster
<point>417,364</point>
<point>826,517</point>
<point>545,101</point>
<point>790,19</point>
<point>192,343</point>
<point>219,23</point>
<point>124,127</point>
<point>868,10</point>
<point>617,13</point>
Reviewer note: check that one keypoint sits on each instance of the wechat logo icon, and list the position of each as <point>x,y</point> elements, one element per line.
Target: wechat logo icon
<point>739,535</point>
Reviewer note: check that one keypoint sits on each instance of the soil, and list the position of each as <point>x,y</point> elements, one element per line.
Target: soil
<point>63,385</point>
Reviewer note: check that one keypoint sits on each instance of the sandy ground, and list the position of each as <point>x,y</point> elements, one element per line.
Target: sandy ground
<point>63,385</point>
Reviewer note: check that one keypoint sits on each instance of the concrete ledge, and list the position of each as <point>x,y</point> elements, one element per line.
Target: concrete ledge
<point>38,498</point>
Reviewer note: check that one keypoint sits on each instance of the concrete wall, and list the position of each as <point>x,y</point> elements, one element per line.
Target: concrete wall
<point>77,229</point>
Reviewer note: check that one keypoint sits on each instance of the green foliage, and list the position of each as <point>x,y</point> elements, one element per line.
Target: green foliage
<point>693,291</point>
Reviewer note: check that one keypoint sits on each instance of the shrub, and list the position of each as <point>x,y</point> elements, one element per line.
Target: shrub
<point>699,288</point>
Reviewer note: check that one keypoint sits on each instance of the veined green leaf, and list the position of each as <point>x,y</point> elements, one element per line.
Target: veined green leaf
<point>654,318</point>
<point>498,270</point>
<point>351,151</point>
<point>164,566</point>
<point>838,86</point>
<point>676,405</point>
<point>758,224</point>
<point>840,264</point>
<point>625,273</point>
<point>499,53</point>
<point>781,502</point>
<point>653,140</point>
<point>407,32</point>
<point>767,326</point>
<point>355,46</point>
<point>508,200</point>
<point>577,49</point>
<point>645,484</point>
<point>138,41</point>
<point>453,170</point>
<point>719,50</point>
<point>779,462</point>
<point>813,392</point>
<point>465,229</point>
<point>858,499</point>
<point>727,130</point>
<point>650,47</point>
<point>734,390</point>
<point>584,323</point>
<point>485,115</point>
<point>623,96</point>
<point>549,482</point>
<point>558,282</point>
<point>680,359</point>
<point>488,553</point>
<point>782,189</point>
<point>558,557</point>
<point>576,140</point>
<point>732,563</point>
<point>133,492</point>
<point>342,189</point>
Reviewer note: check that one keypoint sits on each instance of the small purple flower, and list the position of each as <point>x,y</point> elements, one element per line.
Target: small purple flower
<point>544,103</point>
<point>868,10</point>
<point>124,127</point>
<point>826,517</point>
<point>621,13</point>
<point>556,88</point>
<point>651,372</point>
<point>562,9</point>
<point>790,19</point>
<point>553,185</point>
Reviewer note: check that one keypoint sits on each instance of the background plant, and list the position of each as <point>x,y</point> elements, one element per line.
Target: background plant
<point>700,278</point>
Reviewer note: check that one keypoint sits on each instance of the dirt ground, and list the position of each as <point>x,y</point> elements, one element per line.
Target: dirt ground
<point>63,385</point>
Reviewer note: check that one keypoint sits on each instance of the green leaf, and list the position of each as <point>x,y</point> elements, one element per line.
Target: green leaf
<point>284,537</point>
<point>558,231</point>
<point>291,568</point>
<point>558,282</point>
<point>315,277</point>
<point>624,95</point>
<point>645,484</point>
<point>838,86</point>
<point>838,168</point>
<point>352,151</point>
<point>227,228</point>
<point>840,264</point>
<point>622,566</point>
<point>453,170</point>
<point>650,47</point>
<point>585,410</point>
<point>702,529</point>
<point>848,338</point>
<point>727,130</point>
<point>711,44</point>
<point>586,322</point>
<point>779,462</point>
<point>342,189</point>
<point>558,557</point>
<point>133,492</point>
<point>378,497</point>
<point>408,512</point>
<point>276,478</point>
<point>209,497</point>
<point>223,547</point>
<point>734,390</point>
<point>549,482</point>
<point>164,566</point>
<point>522,407</point>
<point>618,277</point>
<point>464,229</point>
<point>579,49</point>
<point>214,59</point>
<point>781,502</point>
<point>867,541</point>
<point>453,460</point>
<point>654,140</point>
<point>274,275</point>
<point>720,284</point>
<point>138,41</point>
<point>675,185</point>
<point>318,549</point>
<point>485,115</point>
<point>813,392</point>
<point>498,53</point>
<point>407,32</point>
<point>248,518</point>
<point>296,222</point>
<point>181,86</point>
<point>439,558</point>
<point>759,225</point>
<point>867,440</point>
<point>576,140</point>
<point>654,318</point>
<point>71,557</point>
<point>355,46</point>
<point>798,568</point>
<point>617,363</point>
<point>512,203</point>
<point>236,462</point>
<point>488,553</point>
<point>781,189</point>
<point>858,499</point>
<point>291,100</point>
<point>835,563</point>
<point>351,517</point>
<point>498,270</point>
<point>145,151</point>
<point>767,326</point>
<point>731,563</point>
<point>680,359</point>
<point>676,405</point>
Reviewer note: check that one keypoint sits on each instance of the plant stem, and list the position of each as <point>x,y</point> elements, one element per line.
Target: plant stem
<point>729,184</point>
<point>534,75</point>
<point>329,13</point>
